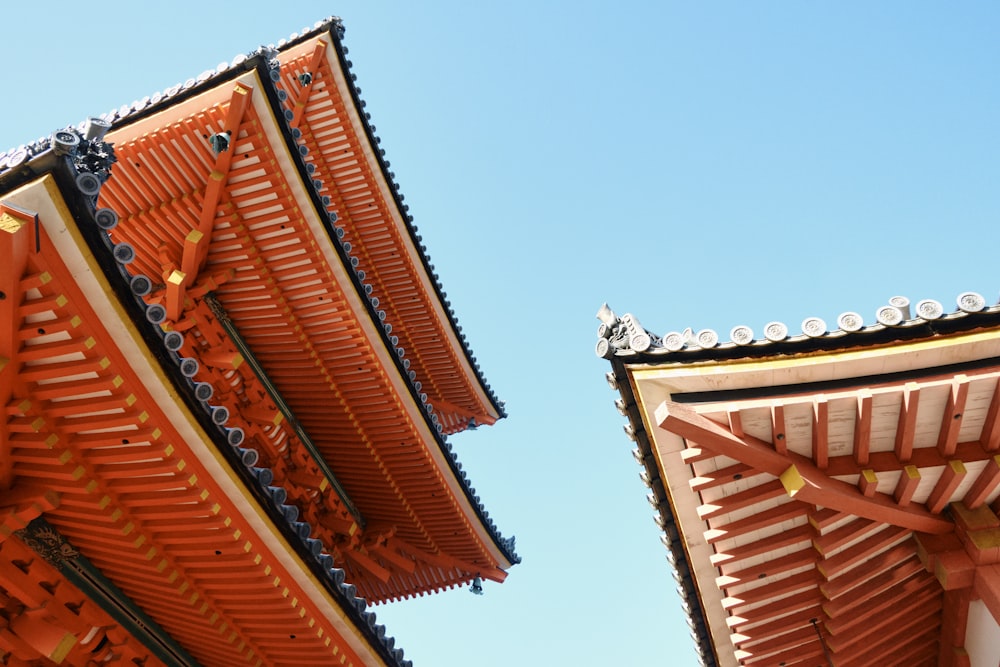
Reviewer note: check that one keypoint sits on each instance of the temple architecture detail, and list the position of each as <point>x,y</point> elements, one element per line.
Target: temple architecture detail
<point>229,374</point>
<point>829,497</point>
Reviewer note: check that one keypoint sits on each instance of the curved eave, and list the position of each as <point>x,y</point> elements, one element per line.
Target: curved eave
<point>439,355</point>
<point>267,104</point>
<point>876,335</point>
<point>665,516</point>
<point>891,427</point>
<point>134,548</point>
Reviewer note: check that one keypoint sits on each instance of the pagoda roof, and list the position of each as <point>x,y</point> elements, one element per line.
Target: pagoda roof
<point>139,203</point>
<point>135,478</point>
<point>816,492</point>
<point>236,393</point>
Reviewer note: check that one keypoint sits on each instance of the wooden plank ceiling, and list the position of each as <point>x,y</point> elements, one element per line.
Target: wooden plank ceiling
<point>96,442</point>
<point>390,254</point>
<point>833,515</point>
<point>240,225</point>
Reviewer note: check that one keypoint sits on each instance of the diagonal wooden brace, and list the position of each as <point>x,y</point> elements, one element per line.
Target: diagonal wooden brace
<point>802,479</point>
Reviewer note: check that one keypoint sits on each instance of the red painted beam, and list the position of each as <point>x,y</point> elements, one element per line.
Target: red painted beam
<point>816,487</point>
<point>907,426</point>
<point>951,421</point>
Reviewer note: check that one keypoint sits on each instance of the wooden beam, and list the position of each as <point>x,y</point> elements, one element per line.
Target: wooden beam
<point>855,555</point>
<point>888,580</point>
<point>990,436</point>
<point>786,538</point>
<point>909,479</point>
<point>949,480</point>
<point>820,429</point>
<point>802,582</point>
<point>778,428</point>
<point>986,586</point>
<point>868,483</point>
<point>922,457</point>
<point>954,621</point>
<point>985,484</point>
<point>769,517</point>
<point>16,227</point>
<point>882,640</point>
<point>735,420</point>
<point>874,567</point>
<point>863,427</point>
<point>844,535</point>
<point>887,602</point>
<point>907,425</point>
<point>951,421</point>
<point>709,480</point>
<point>734,501</point>
<point>306,89</point>
<point>197,242</point>
<point>766,569</point>
<point>810,484</point>
<point>768,612</point>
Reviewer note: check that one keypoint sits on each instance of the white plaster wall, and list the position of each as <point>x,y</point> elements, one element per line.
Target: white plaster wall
<point>982,636</point>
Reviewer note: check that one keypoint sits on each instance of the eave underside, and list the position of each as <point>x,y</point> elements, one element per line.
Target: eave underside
<point>280,281</point>
<point>837,506</point>
<point>137,487</point>
<point>368,209</point>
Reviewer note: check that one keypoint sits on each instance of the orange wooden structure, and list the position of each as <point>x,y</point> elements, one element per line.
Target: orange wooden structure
<point>228,373</point>
<point>829,498</point>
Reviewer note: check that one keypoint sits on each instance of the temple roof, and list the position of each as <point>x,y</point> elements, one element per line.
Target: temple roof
<point>897,320</point>
<point>267,378</point>
<point>803,482</point>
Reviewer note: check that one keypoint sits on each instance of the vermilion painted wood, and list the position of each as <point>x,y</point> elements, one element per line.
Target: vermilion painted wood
<point>819,489</point>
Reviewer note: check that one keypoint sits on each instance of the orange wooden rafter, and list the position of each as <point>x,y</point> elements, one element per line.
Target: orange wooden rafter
<point>949,480</point>
<point>806,483</point>
<point>735,420</point>
<point>15,242</point>
<point>921,457</point>
<point>863,427</point>
<point>769,517</point>
<point>874,568</point>
<point>306,90</point>
<point>954,622</point>
<point>845,605</point>
<point>820,428</point>
<point>985,484</point>
<point>951,421</point>
<point>778,428</point>
<point>909,479</point>
<point>197,241</point>
<point>909,404</point>
<point>990,437</point>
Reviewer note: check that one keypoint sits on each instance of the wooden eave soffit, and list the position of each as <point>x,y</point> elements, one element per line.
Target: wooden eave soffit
<point>802,479</point>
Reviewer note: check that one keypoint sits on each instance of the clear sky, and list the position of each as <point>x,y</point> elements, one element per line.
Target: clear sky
<point>697,164</point>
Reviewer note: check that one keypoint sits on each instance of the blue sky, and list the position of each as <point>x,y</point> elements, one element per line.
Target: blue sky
<point>697,164</point>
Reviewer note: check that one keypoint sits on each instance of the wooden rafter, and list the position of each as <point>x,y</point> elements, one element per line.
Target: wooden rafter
<point>16,235</point>
<point>909,404</point>
<point>951,421</point>
<point>990,438</point>
<point>803,480</point>
<point>305,89</point>
<point>987,482</point>
<point>197,241</point>
<point>778,428</point>
<point>820,428</point>
<point>863,427</point>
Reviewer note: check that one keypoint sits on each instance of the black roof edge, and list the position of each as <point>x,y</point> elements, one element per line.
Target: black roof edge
<point>82,208</point>
<point>374,141</point>
<point>39,157</point>
<point>666,519</point>
<point>378,317</point>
